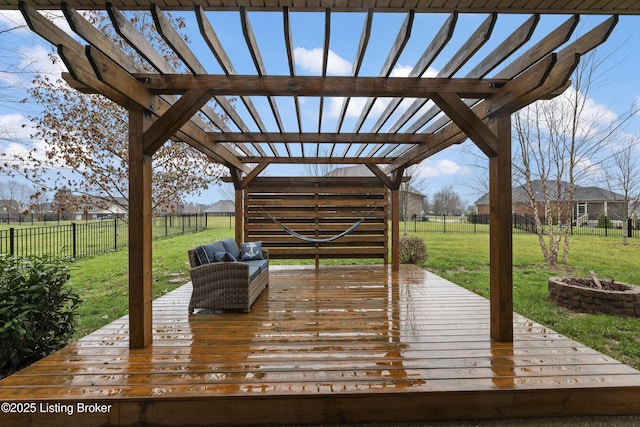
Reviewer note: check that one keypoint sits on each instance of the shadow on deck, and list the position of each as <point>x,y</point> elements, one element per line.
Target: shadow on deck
<point>347,344</point>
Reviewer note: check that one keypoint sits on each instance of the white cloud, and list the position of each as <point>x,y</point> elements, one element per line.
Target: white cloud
<point>356,106</point>
<point>15,127</point>
<point>440,168</point>
<point>404,70</point>
<point>36,59</point>
<point>311,60</point>
<point>401,71</point>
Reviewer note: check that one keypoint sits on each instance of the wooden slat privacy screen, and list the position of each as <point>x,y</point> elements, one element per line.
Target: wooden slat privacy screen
<point>318,208</point>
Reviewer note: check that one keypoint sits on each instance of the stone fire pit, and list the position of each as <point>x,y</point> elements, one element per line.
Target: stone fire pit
<point>583,295</point>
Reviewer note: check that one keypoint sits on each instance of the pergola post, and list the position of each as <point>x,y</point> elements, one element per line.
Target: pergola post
<point>236,179</point>
<point>395,229</point>
<point>140,234</point>
<point>501,242</point>
<point>239,213</point>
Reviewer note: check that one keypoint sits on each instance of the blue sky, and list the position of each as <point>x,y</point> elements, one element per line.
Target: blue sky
<point>617,86</point>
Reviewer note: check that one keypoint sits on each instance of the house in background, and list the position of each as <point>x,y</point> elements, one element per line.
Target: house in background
<point>9,210</point>
<point>221,208</point>
<point>89,208</point>
<point>411,200</point>
<point>589,203</point>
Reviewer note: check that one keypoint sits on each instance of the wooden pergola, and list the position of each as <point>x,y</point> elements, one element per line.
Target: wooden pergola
<point>167,105</point>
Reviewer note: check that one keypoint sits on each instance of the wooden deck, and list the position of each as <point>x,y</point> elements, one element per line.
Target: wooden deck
<point>342,345</point>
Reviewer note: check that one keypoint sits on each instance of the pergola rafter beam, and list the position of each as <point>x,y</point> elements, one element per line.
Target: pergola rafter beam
<point>317,160</point>
<point>509,95</point>
<point>138,41</point>
<point>251,85</point>
<point>357,63</point>
<point>288,41</point>
<point>211,39</point>
<point>252,44</point>
<point>180,47</point>
<point>311,137</point>
<point>110,73</point>
<point>458,60</point>
<point>394,54</point>
<point>503,51</point>
<point>428,56</point>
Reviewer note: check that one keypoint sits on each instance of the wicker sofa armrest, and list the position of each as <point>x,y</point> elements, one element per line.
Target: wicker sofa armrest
<point>218,271</point>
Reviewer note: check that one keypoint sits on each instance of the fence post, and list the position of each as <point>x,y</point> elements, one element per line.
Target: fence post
<point>74,237</point>
<point>629,227</point>
<point>12,248</point>
<point>115,233</point>
<point>444,223</point>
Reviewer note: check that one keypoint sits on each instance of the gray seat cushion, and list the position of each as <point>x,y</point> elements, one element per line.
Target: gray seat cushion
<point>262,264</point>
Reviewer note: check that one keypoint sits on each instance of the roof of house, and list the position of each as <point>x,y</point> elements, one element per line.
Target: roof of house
<point>221,206</point>
<point>580,194</point>
<point>363,170</point>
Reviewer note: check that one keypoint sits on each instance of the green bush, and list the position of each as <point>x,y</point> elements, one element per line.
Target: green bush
<point>604,221</point>
<point>412,250</point>
<point>36,309</point>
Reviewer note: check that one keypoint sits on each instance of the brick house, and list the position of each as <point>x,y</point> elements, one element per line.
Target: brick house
<point>589,203</point>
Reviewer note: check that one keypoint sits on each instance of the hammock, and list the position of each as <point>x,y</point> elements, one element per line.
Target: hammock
<point>315,240</point>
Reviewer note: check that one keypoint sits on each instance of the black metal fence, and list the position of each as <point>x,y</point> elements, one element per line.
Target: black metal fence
<point>81,239</point>
<point>522,224</point>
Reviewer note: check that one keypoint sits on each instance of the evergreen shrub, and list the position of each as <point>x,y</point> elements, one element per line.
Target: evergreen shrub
<point>37,309</point>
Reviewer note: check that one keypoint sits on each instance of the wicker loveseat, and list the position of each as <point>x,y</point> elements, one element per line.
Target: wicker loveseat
<point>226,277</point>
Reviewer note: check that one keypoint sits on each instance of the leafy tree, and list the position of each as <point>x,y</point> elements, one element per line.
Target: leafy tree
<point>85,138</point>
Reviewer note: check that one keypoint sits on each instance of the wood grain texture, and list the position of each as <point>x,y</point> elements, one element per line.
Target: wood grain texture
<point>345,344</point>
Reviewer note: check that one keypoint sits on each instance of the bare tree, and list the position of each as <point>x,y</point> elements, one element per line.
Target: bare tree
<point>319,169</point>
<point>561,142</point>
<point>14,197</point>
<point>10,59</point>
<point>623,176</point>
<point>447,202</point>
<point>413,183</point>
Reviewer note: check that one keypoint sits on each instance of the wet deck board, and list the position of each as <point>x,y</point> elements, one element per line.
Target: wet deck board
<point>345,344</point>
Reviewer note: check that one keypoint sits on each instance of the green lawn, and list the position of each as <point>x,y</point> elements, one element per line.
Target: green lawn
<point>102,281</point>
<point>461,258</point>
<point>464,259</point>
